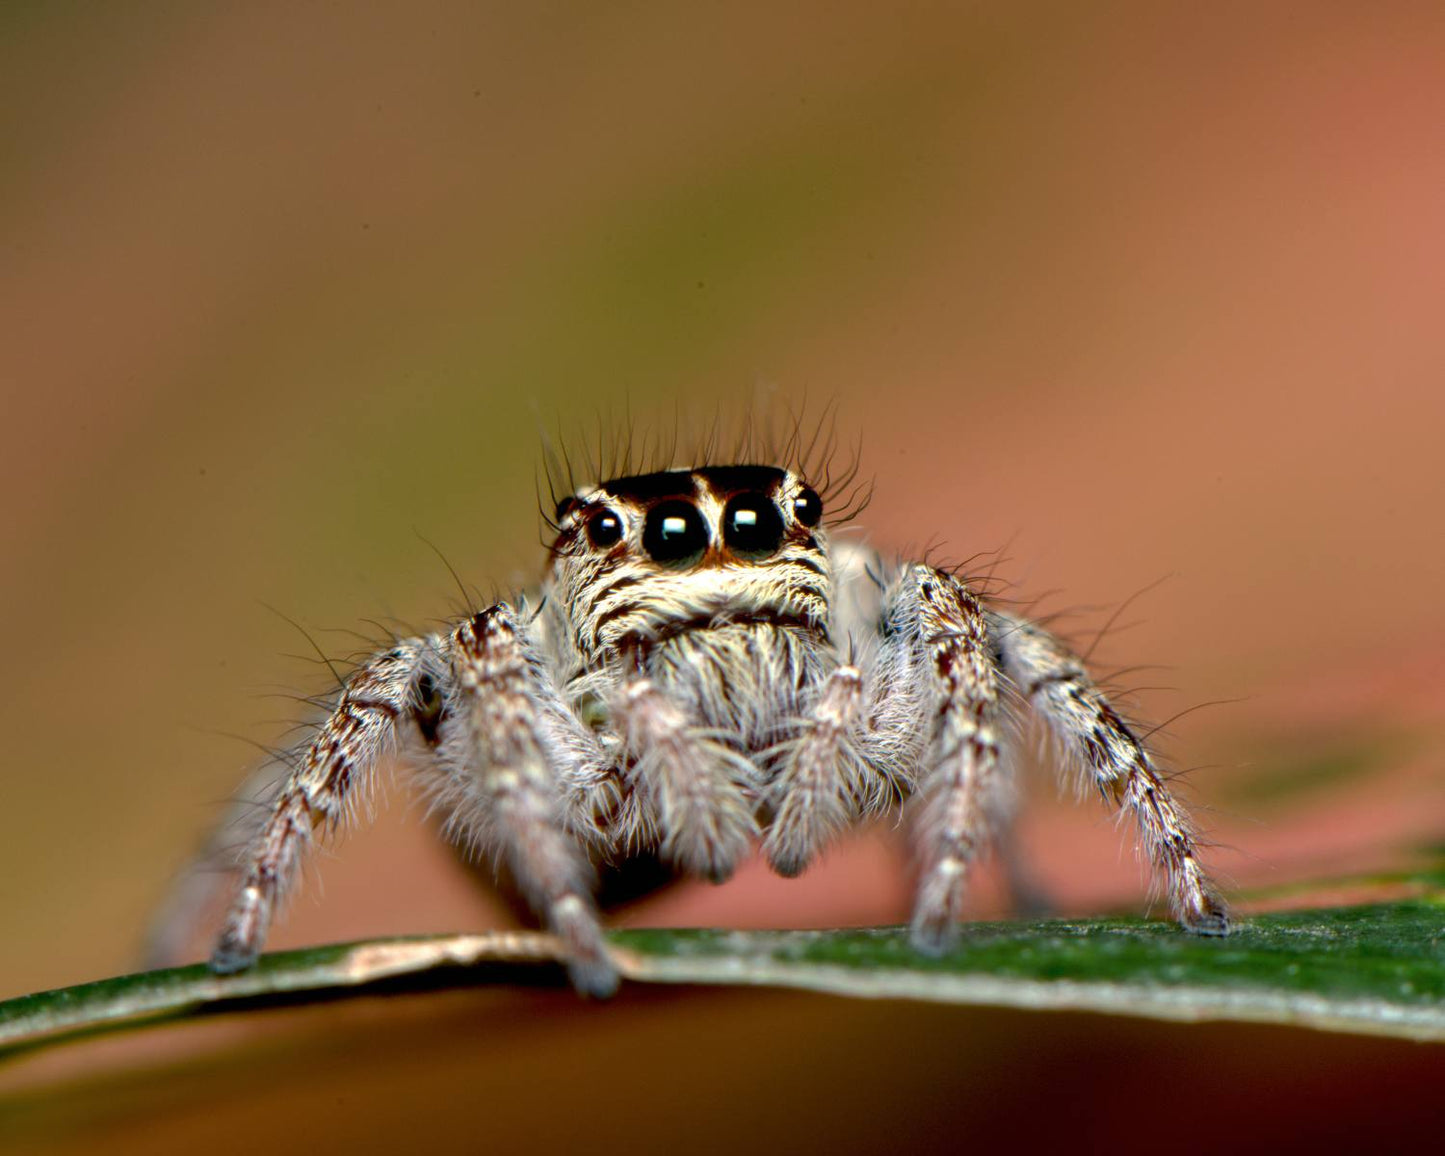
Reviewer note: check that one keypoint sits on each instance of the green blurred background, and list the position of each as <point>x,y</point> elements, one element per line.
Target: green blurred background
<point>1134,290</point>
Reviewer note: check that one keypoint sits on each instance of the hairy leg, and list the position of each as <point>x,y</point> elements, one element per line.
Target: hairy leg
<point>1092,732</point>
<point>322,790</point>
<point>963,786</point>
<point>192,905</point>
<point>857,750</point>
<point>502,791</point>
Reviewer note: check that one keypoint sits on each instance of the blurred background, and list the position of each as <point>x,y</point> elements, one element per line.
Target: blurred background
<point>1129,292</point>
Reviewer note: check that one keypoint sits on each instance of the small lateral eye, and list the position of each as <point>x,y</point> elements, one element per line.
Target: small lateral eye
<point>674,533</point>
<point>604,528</point>
<point>428,707</point>
<point>564,507</point>
<point>752,526</point>
<point>808,507</point>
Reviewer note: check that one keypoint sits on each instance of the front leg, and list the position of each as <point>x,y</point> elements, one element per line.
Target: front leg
<point>963,786</point>
<point>501,786</point>
<point>1093,734</point>
<point>322,790</point>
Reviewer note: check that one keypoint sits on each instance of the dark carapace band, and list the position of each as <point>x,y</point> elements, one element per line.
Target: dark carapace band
<point>754,524</point>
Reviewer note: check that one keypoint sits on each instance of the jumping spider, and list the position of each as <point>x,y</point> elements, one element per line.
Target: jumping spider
<point>707,668</point>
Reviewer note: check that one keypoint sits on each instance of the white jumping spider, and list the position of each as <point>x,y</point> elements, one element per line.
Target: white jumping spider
<point>707,668</point>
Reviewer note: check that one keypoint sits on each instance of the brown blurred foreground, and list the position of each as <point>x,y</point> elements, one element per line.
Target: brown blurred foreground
<point>710,1071</point>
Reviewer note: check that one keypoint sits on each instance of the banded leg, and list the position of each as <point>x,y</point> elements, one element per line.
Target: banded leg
<point>812,796</point>
<point>1092,732</point>
<point>503,794</point>
<point>322,789</point>
<point>963,788</point>
<point>687,780</point>
<point>199,891</point>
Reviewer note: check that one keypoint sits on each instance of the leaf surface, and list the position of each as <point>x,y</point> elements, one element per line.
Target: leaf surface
<point>1375,968</point>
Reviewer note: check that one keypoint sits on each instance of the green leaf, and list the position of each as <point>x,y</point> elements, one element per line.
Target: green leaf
<point>1377,968</point>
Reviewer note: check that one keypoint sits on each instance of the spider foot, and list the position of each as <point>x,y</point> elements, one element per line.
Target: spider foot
<point>240,943</point>
<point>934,934</point>
<point>594,977</point>
<point>934,930</point>
<point>1206,915</point>
<point>588,964</point>
<point>229,957</point>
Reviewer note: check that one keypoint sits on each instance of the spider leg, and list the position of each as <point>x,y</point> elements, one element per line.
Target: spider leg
<point>1093,734</point>
<point>321,790</point>
<point>811,797</point>
<point>502,790</point>
<point>206,880</point>
<point>963,784</point>
<point>689,781</point>
<point>854,752</point>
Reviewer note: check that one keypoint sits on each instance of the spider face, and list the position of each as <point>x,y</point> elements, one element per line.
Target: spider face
<point>643,559</point>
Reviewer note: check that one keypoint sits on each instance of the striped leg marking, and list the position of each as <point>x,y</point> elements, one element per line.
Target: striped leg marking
<point>503,794</point>
<point>963,787</point>
<point>335,772</point>
<point>1098,739</point>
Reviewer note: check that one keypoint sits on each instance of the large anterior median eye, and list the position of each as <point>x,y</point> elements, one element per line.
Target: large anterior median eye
<point>674,533</point>
<point>752,526</point>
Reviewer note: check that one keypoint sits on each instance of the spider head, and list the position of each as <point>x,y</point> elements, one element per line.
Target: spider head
<point>648,557</point>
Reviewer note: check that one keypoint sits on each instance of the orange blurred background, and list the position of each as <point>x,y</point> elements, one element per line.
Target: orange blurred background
<point>1131,290</point>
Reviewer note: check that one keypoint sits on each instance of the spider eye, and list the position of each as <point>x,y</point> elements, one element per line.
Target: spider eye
<point>428,707</point>
<point>564,507</point>
<point>604,528</point>
<point>675,533</point>
<point>752,526</point>
<point>808,508</point>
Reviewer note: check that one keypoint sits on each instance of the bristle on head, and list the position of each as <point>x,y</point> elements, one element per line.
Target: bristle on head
<point>614,452</point>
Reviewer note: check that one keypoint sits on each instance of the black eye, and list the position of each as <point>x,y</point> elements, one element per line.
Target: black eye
<point>752,526</point>
<point>675,532</point>
<point>808,508</point>
<point>564,507</point>
<point>604,528</point>
<point>428,707</point>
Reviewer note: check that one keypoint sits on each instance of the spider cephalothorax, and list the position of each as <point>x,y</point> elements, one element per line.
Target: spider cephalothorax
<point>709,670</point>
<point>643,560</point>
